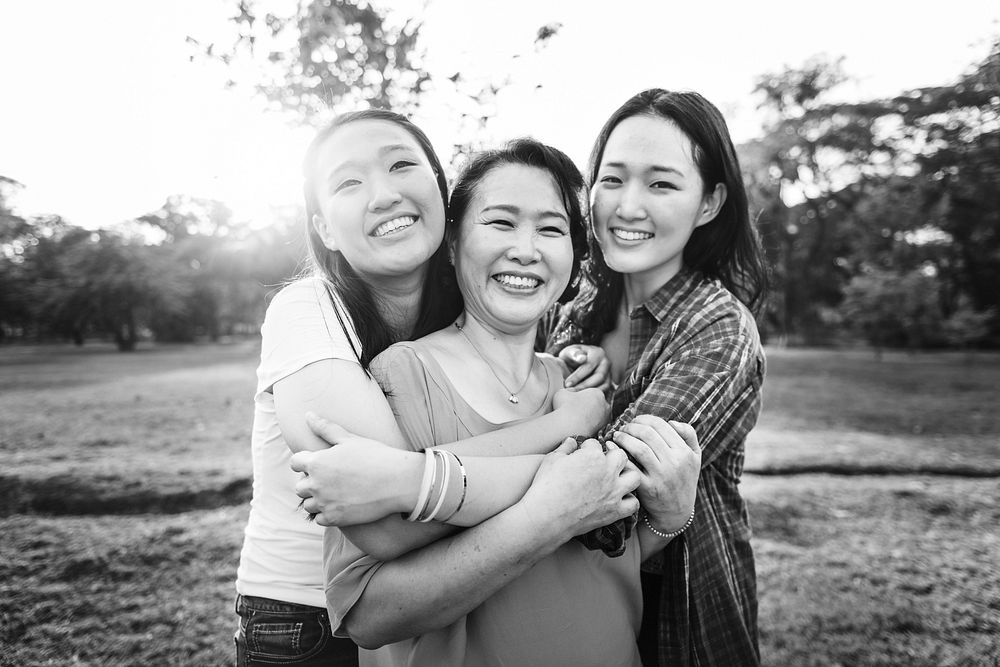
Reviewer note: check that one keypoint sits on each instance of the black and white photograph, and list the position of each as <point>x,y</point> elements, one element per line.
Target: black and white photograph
<point>521,333</point>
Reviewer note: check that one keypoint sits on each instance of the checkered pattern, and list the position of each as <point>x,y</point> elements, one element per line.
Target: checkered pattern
<point>695,356</point>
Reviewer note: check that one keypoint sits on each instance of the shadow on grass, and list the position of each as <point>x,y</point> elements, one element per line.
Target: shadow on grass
<point>67,495</point>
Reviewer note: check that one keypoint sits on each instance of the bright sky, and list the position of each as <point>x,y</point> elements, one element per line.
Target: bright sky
<point>103,116</point>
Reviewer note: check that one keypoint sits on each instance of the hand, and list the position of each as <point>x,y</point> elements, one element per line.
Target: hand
<point>669,460</point>
<point>590,367</point>
<point>586,409</point>
<point>357,480</point>
<point>579,489</point>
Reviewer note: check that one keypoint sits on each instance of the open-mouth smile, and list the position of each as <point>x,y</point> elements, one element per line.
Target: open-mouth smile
<point>395,225</point>
<point>517,282</point>
<point>627,235</point>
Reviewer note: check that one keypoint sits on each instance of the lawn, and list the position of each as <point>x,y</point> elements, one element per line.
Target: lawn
<point>123,480</point>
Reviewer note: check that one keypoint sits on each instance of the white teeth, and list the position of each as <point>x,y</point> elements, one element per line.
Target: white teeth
<point>631,236</point>
<point>521,282</point>
<point>390,226</point>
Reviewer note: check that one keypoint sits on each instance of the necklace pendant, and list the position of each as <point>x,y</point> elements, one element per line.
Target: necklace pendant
<point>513,399</point>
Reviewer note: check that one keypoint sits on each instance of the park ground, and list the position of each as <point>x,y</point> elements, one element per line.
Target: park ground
<point>872,487</point>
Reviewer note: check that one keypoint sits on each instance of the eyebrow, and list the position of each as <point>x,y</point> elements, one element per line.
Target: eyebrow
<point>515,210</point>
<point>654,167</point>
<point>383,151</point>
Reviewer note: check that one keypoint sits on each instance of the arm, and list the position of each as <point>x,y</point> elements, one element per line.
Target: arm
<point>668,459</point>
<point>435,586</point>
<point>353,484</point>
<point>705,381</point>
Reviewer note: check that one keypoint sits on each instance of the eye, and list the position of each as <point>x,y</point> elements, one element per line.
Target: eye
<point>502,223</point>
<point>610,179</point>
<point>346,183</point>
<point>664,185</point>
<point>553,230</point>
<point>400,164</point>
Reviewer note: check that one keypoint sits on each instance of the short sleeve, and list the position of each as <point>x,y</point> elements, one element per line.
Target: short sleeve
<point>404,381</point>
<point>303,325</point>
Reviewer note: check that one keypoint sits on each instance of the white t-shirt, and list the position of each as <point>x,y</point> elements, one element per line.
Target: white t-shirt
<point>282,555</point>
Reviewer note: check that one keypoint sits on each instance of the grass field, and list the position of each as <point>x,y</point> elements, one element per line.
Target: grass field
<point>123,477</point>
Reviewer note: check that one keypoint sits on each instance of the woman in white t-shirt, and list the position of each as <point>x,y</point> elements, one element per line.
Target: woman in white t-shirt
<point>375,199</point>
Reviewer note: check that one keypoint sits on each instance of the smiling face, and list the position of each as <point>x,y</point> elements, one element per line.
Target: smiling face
<point>513,253</point>
<point>378,199</point>
<point>647,200</point>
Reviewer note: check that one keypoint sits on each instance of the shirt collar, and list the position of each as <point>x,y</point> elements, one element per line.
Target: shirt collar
<point>665,298</point>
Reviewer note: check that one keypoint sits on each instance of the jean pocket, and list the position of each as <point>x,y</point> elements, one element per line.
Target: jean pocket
<point>285,637</point>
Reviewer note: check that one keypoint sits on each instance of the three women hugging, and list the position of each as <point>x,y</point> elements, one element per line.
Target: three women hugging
<point>484,503</point>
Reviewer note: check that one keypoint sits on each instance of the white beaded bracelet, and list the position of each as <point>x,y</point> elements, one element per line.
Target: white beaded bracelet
<point>667,536</point>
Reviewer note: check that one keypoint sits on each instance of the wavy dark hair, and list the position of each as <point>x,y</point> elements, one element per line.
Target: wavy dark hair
<point>439,301</point>
<point>530,153</point>
<point>727,248</point>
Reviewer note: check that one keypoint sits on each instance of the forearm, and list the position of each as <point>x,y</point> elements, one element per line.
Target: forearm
<point>493,485</point>
<point>536,436</point>
<point>435,586</point>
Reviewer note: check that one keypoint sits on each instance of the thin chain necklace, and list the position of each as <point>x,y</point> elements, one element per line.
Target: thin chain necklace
<point>511,395</point>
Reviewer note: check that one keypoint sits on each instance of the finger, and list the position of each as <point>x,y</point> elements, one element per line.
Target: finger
<point>629,505</point>
<point>567,446</point>
<point>300,461</point>
<point>629,480</point>
<point>311,505</point>
<point>618,459</point>
<point>303,488</point>
<point>662,427</point>
<point>590,444</point>
<point>651,436</point>
<point>326,429</point>
<point>637,449</point>
<point>687,434</point>
<point>582,376</point>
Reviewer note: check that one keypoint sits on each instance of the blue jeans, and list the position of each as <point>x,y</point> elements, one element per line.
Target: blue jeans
<point>273,632</point>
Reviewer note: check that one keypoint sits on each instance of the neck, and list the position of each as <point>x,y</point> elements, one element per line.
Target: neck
<point>511,354</point>
<point>639,287</point>
<point>398,301</point>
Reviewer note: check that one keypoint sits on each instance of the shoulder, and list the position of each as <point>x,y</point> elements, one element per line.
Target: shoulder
<point>397,363</point>
<point>310,290</point>
<point>711,317</point>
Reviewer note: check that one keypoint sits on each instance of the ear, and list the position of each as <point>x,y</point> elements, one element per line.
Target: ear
<point>319,224</point>
<point>711,205</point>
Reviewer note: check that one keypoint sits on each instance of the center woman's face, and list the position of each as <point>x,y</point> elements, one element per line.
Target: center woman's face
<point>513,255</point>
<point>379,199</point>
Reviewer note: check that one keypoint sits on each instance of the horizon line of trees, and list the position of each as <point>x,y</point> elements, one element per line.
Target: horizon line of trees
<point>880,218</point>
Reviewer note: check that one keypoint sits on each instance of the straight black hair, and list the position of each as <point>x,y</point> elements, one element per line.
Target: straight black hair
<point>439,300</point>
<point>727,248</point>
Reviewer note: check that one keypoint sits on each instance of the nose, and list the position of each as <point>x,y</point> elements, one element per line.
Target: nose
<point>630,205</point>
<point>384,195</point>
<point>523,248</point>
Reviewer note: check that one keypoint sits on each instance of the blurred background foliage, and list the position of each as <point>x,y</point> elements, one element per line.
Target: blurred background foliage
<point>880,217</point>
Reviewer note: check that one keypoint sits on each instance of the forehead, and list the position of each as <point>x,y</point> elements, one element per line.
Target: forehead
<point>529,188</point>
<point>645,140</point>
<point>364,140</point>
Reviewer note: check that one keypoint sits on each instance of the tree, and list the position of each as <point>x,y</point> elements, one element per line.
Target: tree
<point>329,54</point>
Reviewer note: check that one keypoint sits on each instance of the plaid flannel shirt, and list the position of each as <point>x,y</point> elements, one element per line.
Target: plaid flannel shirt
<point>695,356</point>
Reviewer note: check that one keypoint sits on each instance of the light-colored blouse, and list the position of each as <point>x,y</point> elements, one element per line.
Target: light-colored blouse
<point>574,607</point>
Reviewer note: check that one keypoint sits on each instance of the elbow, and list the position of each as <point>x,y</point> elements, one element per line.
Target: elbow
<point>367,635</point>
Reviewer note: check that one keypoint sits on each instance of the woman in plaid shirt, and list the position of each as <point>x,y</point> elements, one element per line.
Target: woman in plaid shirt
<point>675,272</point>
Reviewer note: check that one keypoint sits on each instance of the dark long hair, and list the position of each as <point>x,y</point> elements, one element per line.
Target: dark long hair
<point>530,153</point>
<point>439,301</point>
<point>727,248</point>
